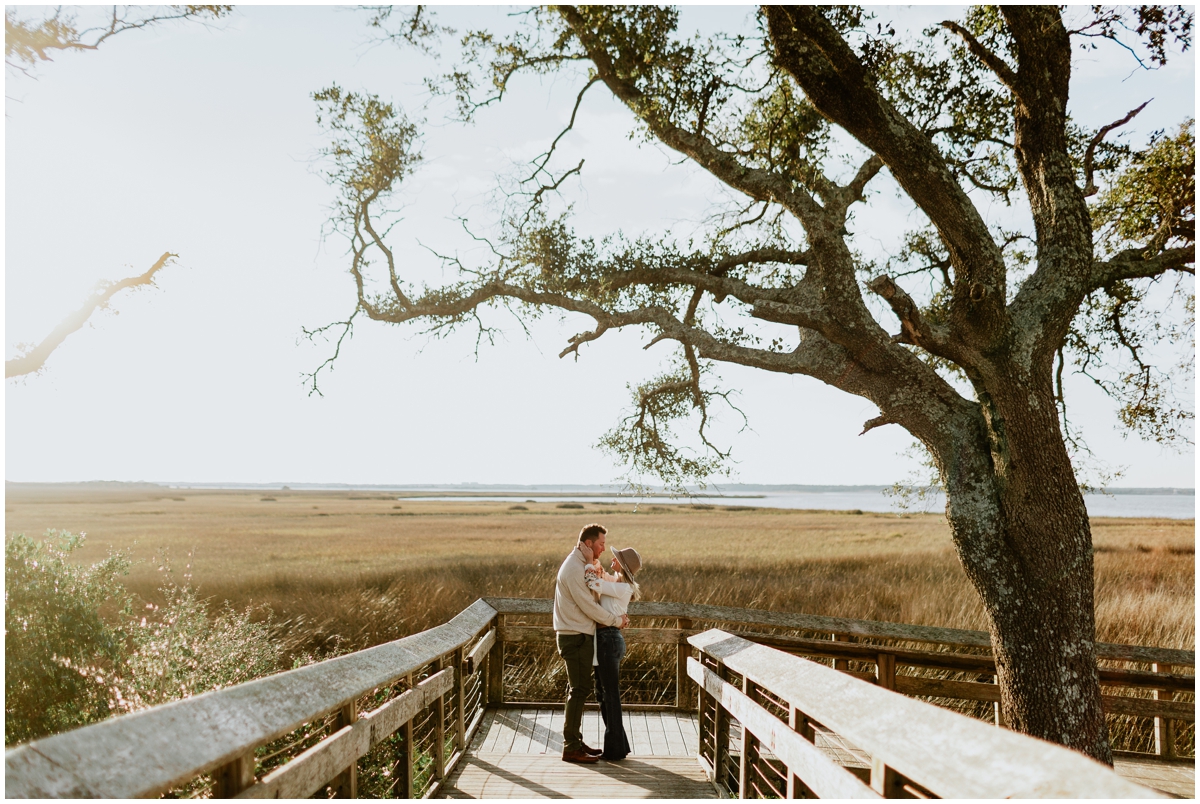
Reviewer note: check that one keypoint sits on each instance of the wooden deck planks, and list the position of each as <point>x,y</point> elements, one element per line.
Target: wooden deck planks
<point>517,753</point>
<point>1173,778</point>
<point>547,776</point>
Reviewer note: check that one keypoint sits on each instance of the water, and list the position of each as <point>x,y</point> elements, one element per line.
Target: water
<point>1166,506</point>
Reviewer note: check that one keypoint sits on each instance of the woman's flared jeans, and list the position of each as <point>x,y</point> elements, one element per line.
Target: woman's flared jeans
<point>610,650</point>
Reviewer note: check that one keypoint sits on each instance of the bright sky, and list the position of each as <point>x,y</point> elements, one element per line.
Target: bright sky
<point>202,141</point>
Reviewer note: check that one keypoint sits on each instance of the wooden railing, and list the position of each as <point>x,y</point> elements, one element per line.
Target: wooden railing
<point>947,665</point>
<point>916,750</point>
<point>290,735</point>
<point>405,711</point>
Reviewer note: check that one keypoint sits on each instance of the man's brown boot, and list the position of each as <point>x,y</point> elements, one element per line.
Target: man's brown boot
<point>580,756</point>
<point>587,749</point>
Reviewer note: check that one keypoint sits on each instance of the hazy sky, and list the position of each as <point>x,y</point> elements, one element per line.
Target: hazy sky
<point>203,142</point>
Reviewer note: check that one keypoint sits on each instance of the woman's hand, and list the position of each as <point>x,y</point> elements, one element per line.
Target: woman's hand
<point>587,553</point>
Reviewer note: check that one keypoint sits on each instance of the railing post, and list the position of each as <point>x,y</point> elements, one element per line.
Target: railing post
<point>410,752</point>
<point>234,777</point>
<point>885,671</point>
<point>439,728</point>
<point>1164,727</point>
<point>841,664</point>
<point>749,748</point>
<point>495,677</point>
<point>800,724</point>
<point>720,732</point>
<point>345,784</point>
<point>682,700</point>
<point>460,700</point>
<point>1000,721</point>
<point>885,781</point>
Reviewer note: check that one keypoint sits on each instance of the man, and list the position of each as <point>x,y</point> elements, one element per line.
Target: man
<point>576,613</point>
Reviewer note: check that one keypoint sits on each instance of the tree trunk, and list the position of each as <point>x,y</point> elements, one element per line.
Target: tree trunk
<point>1022,534</point>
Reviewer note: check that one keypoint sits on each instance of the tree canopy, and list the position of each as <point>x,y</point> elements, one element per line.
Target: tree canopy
<point>961,335</point>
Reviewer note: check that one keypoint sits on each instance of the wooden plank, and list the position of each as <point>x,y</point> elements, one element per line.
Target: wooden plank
<point>495,667</point>
<point>506,722</point>
<point>545,776</point>
<point>297,776</point>
<point>639,735</point>
<point>952,755</point>
<point>840,625</point>
<point>977,691</point>
<point>395,713</point>
<point>826,778</point>
<point>312,770</point>
<point>558,719</point>
<point>123,757</point>
<point>1164,727</point>
<point>1148,707</point>
<point>480,651</point>
<point>658,739</point>
<point>676,747</point>
<point>543,735</point>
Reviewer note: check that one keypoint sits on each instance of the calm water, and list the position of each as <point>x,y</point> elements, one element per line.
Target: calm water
<point>1168,506</point>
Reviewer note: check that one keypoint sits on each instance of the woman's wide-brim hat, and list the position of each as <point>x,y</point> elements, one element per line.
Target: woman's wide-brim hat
<point>629,559</point>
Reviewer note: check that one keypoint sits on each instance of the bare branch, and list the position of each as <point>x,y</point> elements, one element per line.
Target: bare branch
<point>994,63</point>
<point>1089,187</point>
<point>35,358</point>
<point>871,424</point>
<point>914,328</point>
<point>347,330</point>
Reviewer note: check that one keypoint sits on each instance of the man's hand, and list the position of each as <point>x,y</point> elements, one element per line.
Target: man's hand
<point>624,621</point>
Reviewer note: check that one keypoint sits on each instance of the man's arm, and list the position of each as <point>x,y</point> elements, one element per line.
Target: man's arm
<point>582,596</point>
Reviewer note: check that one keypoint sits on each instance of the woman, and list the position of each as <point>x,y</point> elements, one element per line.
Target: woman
<point>613,592</point>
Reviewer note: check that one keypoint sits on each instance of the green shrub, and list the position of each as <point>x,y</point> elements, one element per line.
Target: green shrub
<point>75,652</point>
<point>60,653</point>
<point>180,651</point>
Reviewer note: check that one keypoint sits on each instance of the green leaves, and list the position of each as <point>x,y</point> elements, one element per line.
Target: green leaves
<point>60,651</point>
<point>372,147</point>
<point>1153,203</point>
<point>77,650</point>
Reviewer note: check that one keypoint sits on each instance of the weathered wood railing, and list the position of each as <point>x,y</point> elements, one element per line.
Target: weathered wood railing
<point>916,750</point>
<point>428,692</point>
<point>911,659</point>
<point>407,709</point>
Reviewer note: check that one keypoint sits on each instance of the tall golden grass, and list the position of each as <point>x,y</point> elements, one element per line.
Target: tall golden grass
<point>344,571</point>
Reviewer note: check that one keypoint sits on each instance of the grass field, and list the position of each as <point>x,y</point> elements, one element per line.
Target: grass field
<point>352,569</point>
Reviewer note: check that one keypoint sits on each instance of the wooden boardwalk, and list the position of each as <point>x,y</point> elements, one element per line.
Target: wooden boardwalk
<point>517,753</point>
<point>1173,778</point>
<point>773,723</point>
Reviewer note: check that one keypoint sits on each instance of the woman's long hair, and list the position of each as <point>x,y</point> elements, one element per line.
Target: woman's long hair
<point>627,576</point>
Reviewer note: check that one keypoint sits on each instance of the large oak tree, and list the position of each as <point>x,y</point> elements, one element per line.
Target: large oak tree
<point>967,118</point>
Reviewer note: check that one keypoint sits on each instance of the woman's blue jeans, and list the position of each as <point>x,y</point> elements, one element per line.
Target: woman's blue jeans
<point>610,650</point>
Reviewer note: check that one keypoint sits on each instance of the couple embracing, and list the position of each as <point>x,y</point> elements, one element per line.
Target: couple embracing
<point>589,613</point>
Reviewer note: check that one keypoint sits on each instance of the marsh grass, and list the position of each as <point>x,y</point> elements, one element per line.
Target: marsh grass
<point>343,572</point>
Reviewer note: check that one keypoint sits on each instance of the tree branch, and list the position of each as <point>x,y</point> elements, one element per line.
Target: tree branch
<point>837,83</point>
<point>35,358</point>
<point>1133,264</point>
<point>994,63</point>
<point>1089,156</point>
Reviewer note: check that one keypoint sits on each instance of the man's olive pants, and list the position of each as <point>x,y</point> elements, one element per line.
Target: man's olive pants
<point>576,651</point>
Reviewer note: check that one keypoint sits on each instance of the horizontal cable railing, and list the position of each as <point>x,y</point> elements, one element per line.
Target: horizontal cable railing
<point>916,750</point>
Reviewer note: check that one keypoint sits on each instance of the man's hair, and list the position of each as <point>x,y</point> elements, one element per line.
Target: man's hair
<point>592,532</point>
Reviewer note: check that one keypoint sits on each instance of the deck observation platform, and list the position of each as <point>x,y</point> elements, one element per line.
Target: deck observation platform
<point>720,702</point>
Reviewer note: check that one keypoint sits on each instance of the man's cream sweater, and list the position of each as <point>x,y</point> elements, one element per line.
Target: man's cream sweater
<point>575,609</point>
